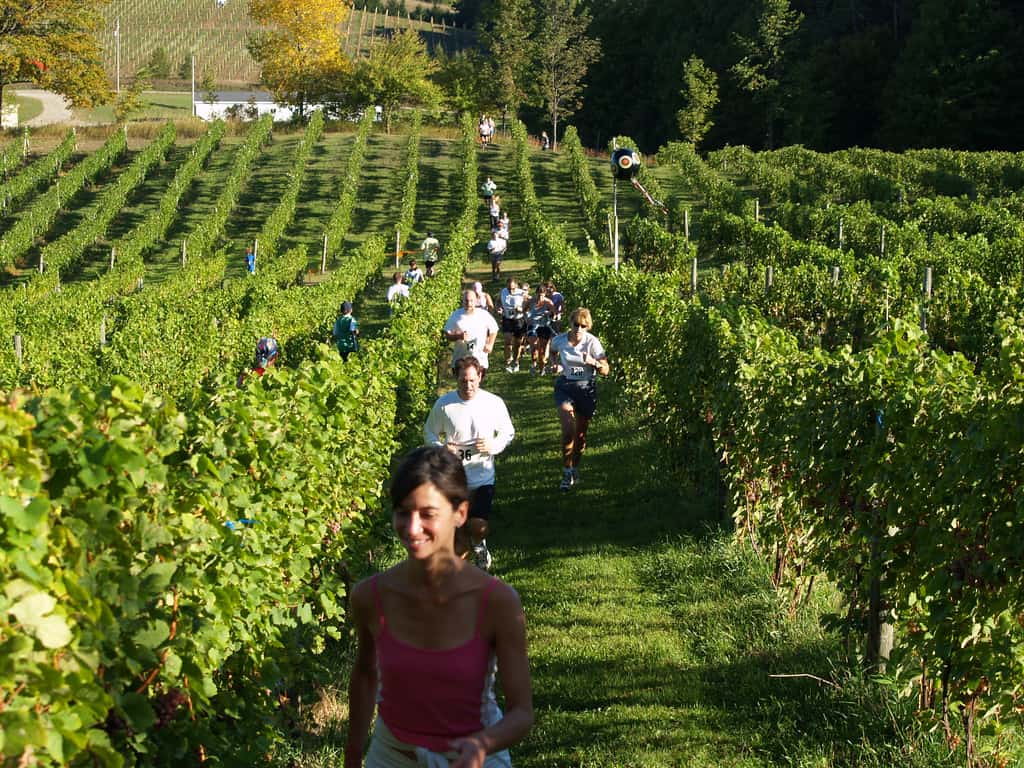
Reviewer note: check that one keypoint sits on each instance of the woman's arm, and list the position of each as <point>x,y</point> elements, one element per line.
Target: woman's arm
<point>362,686</point>
<point>506,616</point>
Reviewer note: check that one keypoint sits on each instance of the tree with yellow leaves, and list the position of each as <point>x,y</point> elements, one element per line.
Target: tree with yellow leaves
<point>300,52</point>
<point>53,44</point>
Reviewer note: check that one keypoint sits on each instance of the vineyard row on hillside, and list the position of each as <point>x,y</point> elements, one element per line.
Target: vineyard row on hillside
<point>893,471</point>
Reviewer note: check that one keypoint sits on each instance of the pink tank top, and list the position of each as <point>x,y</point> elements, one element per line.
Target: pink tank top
<point>430,696</point>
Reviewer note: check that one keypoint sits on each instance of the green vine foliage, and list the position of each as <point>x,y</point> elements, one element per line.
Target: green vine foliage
<point>168,562</point>
<point>38,218</point>
<point>341,217</point>
<point>887,466</point>
<point>32,176</point>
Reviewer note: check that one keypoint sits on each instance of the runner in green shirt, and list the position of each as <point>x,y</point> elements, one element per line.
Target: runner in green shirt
<point>346,332</point>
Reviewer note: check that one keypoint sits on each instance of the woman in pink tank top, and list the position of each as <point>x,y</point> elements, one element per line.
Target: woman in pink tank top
<point>431,632</point>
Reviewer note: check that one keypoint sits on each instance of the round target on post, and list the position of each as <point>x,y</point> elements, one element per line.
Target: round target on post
<point>625,164</point>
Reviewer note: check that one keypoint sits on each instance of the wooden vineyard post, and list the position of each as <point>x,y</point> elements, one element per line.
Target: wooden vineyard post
<point>769,278</point>
<point>693,276</point>
<point>138,284</point>
<point>757,209</point>
<point>835,275</point>
<point>926,291</point>
<point>323,258</point>
<point>609,227</point>
<point>686,224</point>
<point>42,264</point>
<point>18,351</point>
<point>840,234</point>
<point>883,239</point>
<point>184,252</point>
<point>113,256</point>
<point>398,247</point>
<point>255,254</point>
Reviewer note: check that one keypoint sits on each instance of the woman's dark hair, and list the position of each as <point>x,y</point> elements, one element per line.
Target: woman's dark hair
<point>430,464</point>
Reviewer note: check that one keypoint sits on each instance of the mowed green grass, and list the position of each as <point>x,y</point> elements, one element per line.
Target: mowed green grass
<point>157,105</point>
<point>28,108</point>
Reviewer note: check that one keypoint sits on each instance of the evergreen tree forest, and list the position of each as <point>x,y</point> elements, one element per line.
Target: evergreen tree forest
<point>827,74</point>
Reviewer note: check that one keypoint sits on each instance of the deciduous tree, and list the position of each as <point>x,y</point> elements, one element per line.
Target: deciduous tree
<point>761,69</point>
<point>52,43</point>
<point>700,95</point>
<point>397,72</point>
<point>564,53</point>
<point>300,52</point>
<point>130,101</point>
<point>463,78</point>
<point>506,29</point>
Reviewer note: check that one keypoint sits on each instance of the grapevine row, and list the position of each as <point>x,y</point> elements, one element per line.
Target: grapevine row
<point>35,221</point>
<point>12,155</point>
<point>275,225</point>
<point>341,217</point>
<point>410,181</point>
<point>204,237</point>
<point>33,175</point>
<point>886,469</point>
<point>62,254</point>
<point>176,629</point>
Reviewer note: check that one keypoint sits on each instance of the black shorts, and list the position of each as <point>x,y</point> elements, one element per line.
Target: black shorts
<point>540,332</point>
<point>480,501</point>
<point>582,395</point>
<point>517,327</point>
<point>496,257</point>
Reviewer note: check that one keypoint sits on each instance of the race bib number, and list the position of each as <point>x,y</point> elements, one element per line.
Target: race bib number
<point>465,455</point>
<point>577,371</point>
<point>471,344</point>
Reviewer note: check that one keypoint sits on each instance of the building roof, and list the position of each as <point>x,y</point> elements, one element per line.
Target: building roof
<point>239,96</point>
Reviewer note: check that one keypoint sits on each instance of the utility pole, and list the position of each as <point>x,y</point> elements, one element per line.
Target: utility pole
<point>117,66</point>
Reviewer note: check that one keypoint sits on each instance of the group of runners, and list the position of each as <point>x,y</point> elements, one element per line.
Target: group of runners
<point>500,224</point>
<point>486,130</point>
<point>434,631</point>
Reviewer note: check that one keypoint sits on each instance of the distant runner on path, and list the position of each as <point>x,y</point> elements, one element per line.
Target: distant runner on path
<point>431,248</point>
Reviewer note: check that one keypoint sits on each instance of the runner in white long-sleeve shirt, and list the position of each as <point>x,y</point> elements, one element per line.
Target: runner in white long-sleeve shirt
<point>475,426</point>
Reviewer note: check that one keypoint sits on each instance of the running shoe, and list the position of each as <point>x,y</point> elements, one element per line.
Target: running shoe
<point>568,480</point>
<point>482,556</point>
<point>575,476</point>
<point>515,368</point>
<point>510,368</point>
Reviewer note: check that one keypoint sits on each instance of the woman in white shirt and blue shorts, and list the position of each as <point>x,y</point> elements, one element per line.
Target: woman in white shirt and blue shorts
<point>582,358</point>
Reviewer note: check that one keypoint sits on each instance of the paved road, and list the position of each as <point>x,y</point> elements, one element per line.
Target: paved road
<point>55,108</point>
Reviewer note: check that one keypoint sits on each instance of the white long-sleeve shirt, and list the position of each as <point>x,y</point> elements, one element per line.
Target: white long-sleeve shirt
<point>454,420</point>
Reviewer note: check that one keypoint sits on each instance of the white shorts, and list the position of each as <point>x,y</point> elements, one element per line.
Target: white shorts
<point>386,751</point>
